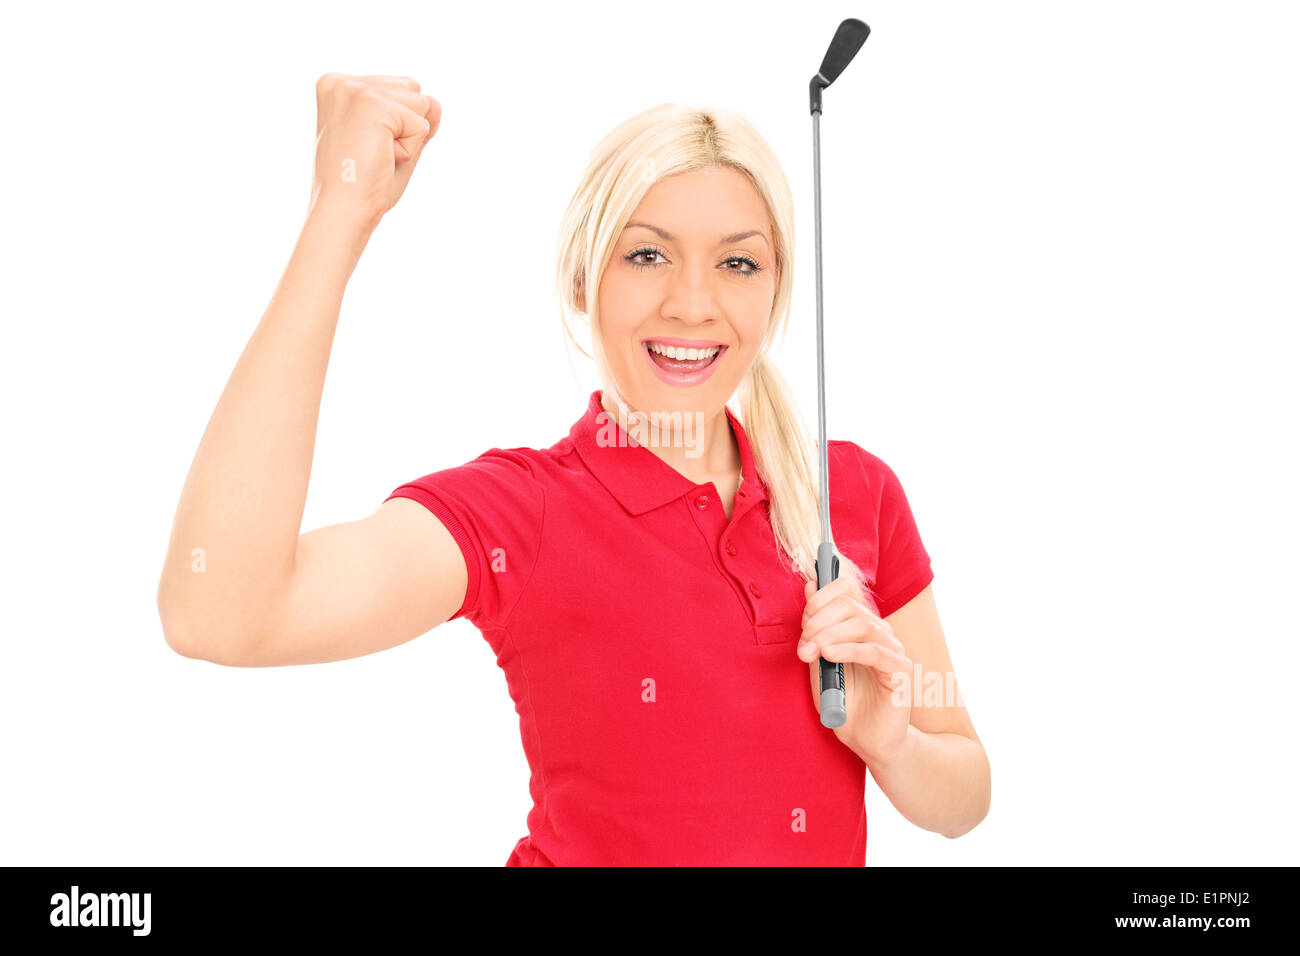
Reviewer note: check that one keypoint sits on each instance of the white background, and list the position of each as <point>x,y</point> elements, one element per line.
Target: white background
<point>1061,299</point>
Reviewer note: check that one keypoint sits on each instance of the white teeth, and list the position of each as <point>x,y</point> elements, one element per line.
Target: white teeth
<point>684,354</point>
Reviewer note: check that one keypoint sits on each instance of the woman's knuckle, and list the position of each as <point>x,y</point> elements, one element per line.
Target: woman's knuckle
<point>353,87</point>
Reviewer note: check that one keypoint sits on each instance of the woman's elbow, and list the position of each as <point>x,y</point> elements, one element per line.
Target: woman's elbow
<point>965,828</point>
<point>197,635</point>
<point>176,626</point>
<point>982,806</point>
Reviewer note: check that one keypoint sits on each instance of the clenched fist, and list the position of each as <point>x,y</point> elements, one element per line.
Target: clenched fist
<point>370,131</point>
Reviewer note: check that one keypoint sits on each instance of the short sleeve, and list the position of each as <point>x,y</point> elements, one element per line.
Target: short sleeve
<point>494,507</point>
<point>903,565</point>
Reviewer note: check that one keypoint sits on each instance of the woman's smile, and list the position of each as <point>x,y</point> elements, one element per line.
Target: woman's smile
<point>683,362</point>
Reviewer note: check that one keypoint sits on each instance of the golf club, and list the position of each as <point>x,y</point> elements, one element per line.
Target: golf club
<point>848,39</point>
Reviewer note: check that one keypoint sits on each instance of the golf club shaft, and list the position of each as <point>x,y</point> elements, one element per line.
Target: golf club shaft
<point>833,710</point>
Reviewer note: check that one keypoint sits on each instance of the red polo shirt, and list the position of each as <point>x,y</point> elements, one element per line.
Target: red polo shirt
<point>648,642</point>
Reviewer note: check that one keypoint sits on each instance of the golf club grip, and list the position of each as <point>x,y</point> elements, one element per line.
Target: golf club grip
<point>833,709</point>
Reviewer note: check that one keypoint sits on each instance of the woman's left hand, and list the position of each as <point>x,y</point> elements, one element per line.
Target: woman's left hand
<point>839,627</point>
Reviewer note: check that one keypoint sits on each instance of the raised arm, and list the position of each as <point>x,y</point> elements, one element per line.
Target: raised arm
<point>241,585</point>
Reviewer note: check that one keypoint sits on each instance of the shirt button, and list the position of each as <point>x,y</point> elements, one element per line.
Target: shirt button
<point>702,502</point>
<point>753,588</point>
<point>731,548</point>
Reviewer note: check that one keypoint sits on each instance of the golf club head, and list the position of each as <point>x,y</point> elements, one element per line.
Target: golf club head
<point>848,40</point>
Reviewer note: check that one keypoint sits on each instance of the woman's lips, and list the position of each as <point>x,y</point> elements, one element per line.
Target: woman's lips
<point>681,373</point>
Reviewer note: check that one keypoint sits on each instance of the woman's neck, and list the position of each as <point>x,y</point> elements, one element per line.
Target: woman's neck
<point>699,448</point>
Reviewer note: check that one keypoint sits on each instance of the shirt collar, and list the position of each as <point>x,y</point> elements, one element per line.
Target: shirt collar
<point>638,478</point>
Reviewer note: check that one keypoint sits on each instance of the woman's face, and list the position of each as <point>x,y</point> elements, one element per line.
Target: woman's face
<point>694,269</point>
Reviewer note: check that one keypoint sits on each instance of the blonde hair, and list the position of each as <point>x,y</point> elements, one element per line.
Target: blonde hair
<point>660,142</point>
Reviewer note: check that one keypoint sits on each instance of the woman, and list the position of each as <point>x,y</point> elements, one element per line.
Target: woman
<point>646,581</point>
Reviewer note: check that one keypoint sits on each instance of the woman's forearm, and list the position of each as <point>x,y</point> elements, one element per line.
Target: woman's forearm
<point>235,533</point>
<point>940,782</point>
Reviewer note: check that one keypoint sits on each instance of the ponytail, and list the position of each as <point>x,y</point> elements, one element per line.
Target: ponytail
<point>785,458</point>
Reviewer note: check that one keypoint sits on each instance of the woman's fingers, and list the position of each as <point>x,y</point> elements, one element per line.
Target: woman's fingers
<point>406,91</point>
<point>845,618</point>
<point>852,629</point>
<point>408,127</point>
<point>816,598</point>
<point>884,660</point>
<point>873,628</point>
<point>413,100</point>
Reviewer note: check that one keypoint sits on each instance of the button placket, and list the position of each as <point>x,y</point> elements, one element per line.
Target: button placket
<point>775,603</point>
<point>727,532</point>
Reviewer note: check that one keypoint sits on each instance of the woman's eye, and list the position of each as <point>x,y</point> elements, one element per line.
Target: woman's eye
<point>636,257</point>
<point>744,260</point>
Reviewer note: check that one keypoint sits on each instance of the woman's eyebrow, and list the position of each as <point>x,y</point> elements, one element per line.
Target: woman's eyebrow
<point>723,241</point>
